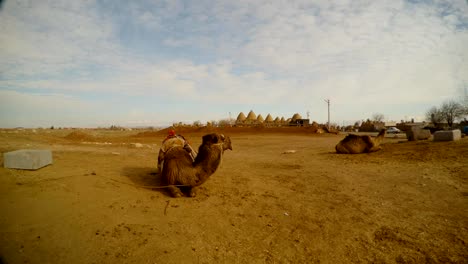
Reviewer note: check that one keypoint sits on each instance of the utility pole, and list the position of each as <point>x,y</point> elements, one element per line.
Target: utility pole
<point>328,103</point>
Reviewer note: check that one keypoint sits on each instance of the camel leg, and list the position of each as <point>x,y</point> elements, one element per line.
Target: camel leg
<point>160,167</point>
<point>160,160</point>
<point>193,191</point>
<point>175,192</point>
<point>374,149</point>
<point>339,149</point>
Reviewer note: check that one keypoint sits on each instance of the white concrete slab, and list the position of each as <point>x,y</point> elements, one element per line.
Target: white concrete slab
<point>417,133</point>
<point>27,159</point>
<point>450,135</point>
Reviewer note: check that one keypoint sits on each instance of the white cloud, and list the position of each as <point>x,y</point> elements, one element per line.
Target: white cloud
<point>39,39</point>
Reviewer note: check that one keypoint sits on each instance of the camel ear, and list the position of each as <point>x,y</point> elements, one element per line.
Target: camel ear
<point>222,137</point>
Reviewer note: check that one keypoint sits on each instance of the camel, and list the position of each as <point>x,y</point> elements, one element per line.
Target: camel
<point>177,141</point>
<point>354,144</point>
<point>180,170</point>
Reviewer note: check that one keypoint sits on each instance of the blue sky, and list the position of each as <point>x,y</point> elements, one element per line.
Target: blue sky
<point>153,63</point>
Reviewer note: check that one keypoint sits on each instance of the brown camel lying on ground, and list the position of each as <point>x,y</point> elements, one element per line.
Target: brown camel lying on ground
<point>177,141</point>
<point>179,169</point>
<point>354,144</point>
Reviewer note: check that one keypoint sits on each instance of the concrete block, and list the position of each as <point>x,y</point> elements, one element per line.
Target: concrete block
<point>417,133</point>
<point>450,135</point>
<point>27,159</point>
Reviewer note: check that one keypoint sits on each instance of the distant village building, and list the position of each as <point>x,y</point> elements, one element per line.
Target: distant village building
<point>277,121</point>
<point>240,119</point>
<point>371,126</point>
<point>407,126</point>
<point>390,124</point>
<point>297,120</point>
<point>260,118</point>
<point>253,120</point>
<point>374,126</point>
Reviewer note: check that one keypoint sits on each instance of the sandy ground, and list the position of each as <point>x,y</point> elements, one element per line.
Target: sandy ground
<point>407,203</point>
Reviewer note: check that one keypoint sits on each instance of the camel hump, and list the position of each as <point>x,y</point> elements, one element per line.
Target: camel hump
<point>368,140</point>
<point>177,152</point>
<point>172,142</point>
<point>350,137</point>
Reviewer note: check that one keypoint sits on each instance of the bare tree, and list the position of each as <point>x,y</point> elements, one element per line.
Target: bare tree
<point>214,123</point>
<point>465,107</point>
<point>434,115</point>
<point>197,123</point>
<point>451,111</point>
<point>378,117</point>
<point>224,123</point>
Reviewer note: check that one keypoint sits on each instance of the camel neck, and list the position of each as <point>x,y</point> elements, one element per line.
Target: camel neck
<point>207,162</point>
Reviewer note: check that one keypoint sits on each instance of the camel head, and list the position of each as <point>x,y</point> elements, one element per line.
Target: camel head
<point>216,138</point>
<point>226,142</point>
<point>212,138</point>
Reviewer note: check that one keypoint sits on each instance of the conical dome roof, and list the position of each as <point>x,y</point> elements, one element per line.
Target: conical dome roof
<point>241,117</point>
<point>269,118</point>
<point>282,119</point>
<point>277,120</point>
<point>251,116</point>
<point>295,117</point>
<point>260,118</point>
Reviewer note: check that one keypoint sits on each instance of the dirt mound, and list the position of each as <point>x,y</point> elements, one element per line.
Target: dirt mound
<point>147,134</point>
<point>79,135</point>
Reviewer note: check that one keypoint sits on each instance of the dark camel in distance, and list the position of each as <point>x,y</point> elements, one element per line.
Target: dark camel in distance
<point>354,144</point>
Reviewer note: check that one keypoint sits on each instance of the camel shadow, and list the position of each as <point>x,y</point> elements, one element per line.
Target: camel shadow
<point>145,177</point>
